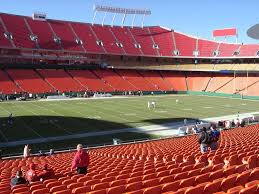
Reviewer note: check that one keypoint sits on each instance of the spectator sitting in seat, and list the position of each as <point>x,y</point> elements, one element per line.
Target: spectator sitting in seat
<point>31,174</point>
<point>204,140</point>
<point>18,179</point>
<point>46,173</point>
<point>80,161</point>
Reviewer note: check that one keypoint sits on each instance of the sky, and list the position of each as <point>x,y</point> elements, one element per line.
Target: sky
<point>197,18</point>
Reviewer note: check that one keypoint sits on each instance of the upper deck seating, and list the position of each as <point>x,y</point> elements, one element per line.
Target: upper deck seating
<point>21,34</point>
<point>182,41</point>
<point>143,38</point>
<point>249,50</point>
<point>227,50</point>
<point>206,48</point>
<point>163,37</point>
<point>115,40</point>
<point>64,32</point>
<point>44,33</point>
<point>105,35</point>
<point>124,36</point>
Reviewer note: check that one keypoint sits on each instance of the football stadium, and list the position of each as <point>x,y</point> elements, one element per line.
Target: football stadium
<point>115,105</point>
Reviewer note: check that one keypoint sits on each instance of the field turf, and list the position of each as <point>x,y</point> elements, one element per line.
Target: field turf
<point>36,119</point>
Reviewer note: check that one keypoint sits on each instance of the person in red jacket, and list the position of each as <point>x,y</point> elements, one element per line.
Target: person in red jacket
<point>46,173</point>
<point>80,161</point>
<point>31,174</point>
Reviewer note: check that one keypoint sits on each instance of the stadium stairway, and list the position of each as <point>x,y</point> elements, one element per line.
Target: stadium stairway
<point>173,165</point>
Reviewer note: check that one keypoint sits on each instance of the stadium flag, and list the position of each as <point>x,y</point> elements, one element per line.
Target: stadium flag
<point>225,32</point>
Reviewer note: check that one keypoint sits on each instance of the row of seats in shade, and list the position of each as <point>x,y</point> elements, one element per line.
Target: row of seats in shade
<point>152,164</point>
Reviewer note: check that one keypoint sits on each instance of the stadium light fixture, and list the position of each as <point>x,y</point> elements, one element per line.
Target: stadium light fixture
<point>118,10</point>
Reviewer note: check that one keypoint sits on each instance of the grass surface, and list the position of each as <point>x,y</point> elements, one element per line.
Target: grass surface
<point>54,118</point>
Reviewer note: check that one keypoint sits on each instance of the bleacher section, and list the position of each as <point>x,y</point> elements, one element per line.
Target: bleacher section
<point>30,81</point>
<point>206,47</point>
<point>125,37</point>
<point>4,42</point>
<point>105,35</point>
<point>117,82</point>
<point>153,41</point>
<point>7,86</point>
<point>137,80</point>
<point>61,80</point>
<point>227,50</point>
<point>114,80</point>
<point>249,50</point>
<point>90,80</point>
<point>63,31</point>
<point>44,33</point>
<point>182,41</point>
<point>163,37</point>
<point>221,83</point>
<point>20,32</point>
<point>155,78</point>
<point>143,37</point>
<point>173,165</point>
<point>197,81</point>
<point>176,79</point>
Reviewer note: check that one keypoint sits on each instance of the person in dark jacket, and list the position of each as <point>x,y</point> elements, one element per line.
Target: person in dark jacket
<point>18,179</point>
<point>215,134</point>
<point>80,161</point>
<point>204,140</point>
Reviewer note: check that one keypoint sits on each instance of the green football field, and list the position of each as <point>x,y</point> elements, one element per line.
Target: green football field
<point>37,119</point>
